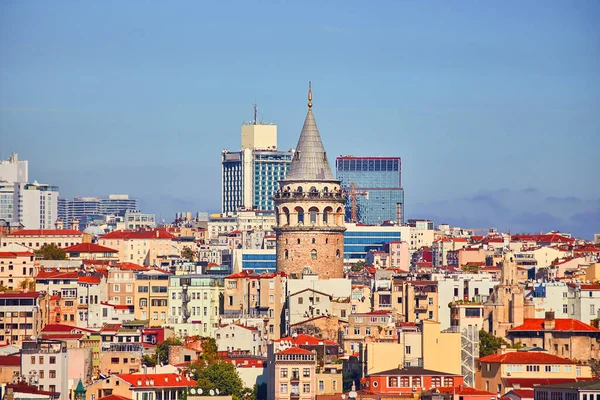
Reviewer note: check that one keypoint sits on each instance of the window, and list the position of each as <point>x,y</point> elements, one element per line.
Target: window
<point>41,359</point>
<point>295,373</point>
<point>155,315</point>
<point>284,372</point>
<point>313,254</point>
<point>116,287</point>
<point>283,388</point>
<point>407,350</point>
<point>321,385</point>
<point>114,360</point>
<point>436,381</point>
<point>592,309</point>
<point>52,374</point>
<point>306,388</point>
<point>431,301</point>
<point>565,309</point>
<point>129,300</point>
<point>416,381</point>
<point>448,382</point>
<point>367,331</point>
<point>52,388</point>
<point>568,368</point>
<point>306,372</point>
<point>357,330</point>
<point>300,300</point>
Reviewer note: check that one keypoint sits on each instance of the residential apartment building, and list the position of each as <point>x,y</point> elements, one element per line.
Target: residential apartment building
<point>91,251</point>
<point>91,293</point>
<point>443,247</point>
<point>569,391</point>
<point>151,297</point>
<point>17,268</point>
<point>49,362</point>
<point>240,339</point>
<point>195,303</point>
<point>22,315</point>
<point>376,184</point>
<point>121,348</point>
<point>143,247</point>
<point>510,369</point>
<point>121,285</point>
<point>408,381</point>
<point>62,287</point>
<point>34,239</point>
<point>292,373</point>
<point>563,337</point>
<point>421,234</point>
<point>160,386</point>
<point>257,296</point>
<point>374,326</point>
<point>250,176</point>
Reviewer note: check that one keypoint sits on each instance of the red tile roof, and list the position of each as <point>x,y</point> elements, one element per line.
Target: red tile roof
<point>15,254</point>
<point>10,361</point>
<point>531,382</point>
<point>60,328</point>
<point>46,232</point>
<point>157,380</point>
<point>62,336</point>
<point>128,266</point>
<point>142,234</point>
<point>117,306</point>
<point>295,350</point>
<point>52,273</point>
<point>306,340</point>
<point>20,295</point>
<point>114,397</point>
<point>525,357</point>
<point>561,324</point>
<point>92,279</point>
<point>250,274</point>
<point>89,248</point>
<point>465,391</point>
<point>585,286</point>
<point>522,393</point>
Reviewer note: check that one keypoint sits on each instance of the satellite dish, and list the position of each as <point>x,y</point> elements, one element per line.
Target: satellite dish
<point>217,390</point>
<point>193,391</point>
<point>199,391</point>
<point>212,392</point>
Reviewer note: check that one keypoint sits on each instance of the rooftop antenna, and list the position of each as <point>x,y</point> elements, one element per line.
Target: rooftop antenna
<point>309,94</point>
<point>255,113</point>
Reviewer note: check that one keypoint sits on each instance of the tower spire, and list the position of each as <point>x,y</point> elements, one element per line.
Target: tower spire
<point>309,94</point>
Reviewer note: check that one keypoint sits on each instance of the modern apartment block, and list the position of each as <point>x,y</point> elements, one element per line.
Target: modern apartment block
<point>376,185</point>
<point>250,176</point>
<point>81,208</point>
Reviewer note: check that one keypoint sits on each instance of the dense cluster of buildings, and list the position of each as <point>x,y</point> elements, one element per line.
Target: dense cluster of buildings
<point>298,295</point>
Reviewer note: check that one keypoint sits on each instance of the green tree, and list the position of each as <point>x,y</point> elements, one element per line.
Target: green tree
<point>470,268</point>
<point>51,252</point>
<point>358,266</point>
<point>259,392</point>
<point>162,350</point>
<point>220,375</point>
<point>349,377</point>
<point>210,350</point>
<point>489,344</point>
<point>188,253</point>
<point>149,360</point>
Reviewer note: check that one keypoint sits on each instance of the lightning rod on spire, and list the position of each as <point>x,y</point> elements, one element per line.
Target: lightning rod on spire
<point>309,94</point>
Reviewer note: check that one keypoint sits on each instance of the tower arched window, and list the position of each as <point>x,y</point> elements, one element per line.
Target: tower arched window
<point>285,254</point>
<point>314,240</point>
<point>298,240</point>
<point>313,212</point>
<point>337,253</point>
<point>300,213</point>
<point>313,254</point>
<point>326,240</point>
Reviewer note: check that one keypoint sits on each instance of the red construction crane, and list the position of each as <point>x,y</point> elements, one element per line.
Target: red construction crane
<point>352,192</point>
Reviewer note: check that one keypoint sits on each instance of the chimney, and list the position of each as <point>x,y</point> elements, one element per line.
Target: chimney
<point>549,321</point>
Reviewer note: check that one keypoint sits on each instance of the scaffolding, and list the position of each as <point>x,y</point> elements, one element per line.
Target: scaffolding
<point>469,340</point>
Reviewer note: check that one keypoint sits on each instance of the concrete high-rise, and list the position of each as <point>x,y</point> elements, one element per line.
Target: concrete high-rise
<point>376,184</point>
<point>81,208</point>
<point>250,176</point>
<point>32,205</point>
<point>309,207</point>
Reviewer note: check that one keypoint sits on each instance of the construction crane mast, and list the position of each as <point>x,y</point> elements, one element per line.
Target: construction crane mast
<point>353,193</point>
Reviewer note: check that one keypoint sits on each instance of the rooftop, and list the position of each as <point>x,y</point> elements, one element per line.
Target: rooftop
<point>412,371</point>
<point>525,357</point>
<point>89,248</point>
<point>561,324</point>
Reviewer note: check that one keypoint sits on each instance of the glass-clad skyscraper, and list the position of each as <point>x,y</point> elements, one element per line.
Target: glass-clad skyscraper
<point>376,185</point>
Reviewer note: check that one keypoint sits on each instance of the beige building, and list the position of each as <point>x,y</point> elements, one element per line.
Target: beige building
<point>329,380</point>
<point>374,326</point>
<point>441,349</point>
<point>292,374</point>
<point>36,238</point>
<point>249,295</point>
<point>467,313</point>
<point>91,251</point>
<point>239,338</point>
<point>22,315</point>
<point>151,297</point>
<point>17,268</point>
<point>511,369</point>
<point>563,337</point>
<point>143,247</point>
<point>415,300</point>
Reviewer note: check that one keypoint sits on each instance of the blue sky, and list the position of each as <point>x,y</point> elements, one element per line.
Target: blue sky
<point>494,107</point>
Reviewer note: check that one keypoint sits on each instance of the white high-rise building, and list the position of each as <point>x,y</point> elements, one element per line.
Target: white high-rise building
<point>33,205</point>
<point>13,170</point>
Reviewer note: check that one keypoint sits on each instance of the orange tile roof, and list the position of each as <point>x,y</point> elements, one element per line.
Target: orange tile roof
<point>157,380</point>
<point>46,232</point>
<point>93,279</point>
<point>525,357</point>
<point>15,254</point>
<point>465,391</point>
<point>89,248</point>
<point>114,397</point>
<point>561,324</point>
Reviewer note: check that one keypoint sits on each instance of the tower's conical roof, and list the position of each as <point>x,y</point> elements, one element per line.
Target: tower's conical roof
<point>80,388</point>
<point>310,159</point>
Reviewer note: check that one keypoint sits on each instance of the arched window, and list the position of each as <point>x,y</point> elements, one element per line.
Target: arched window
<point>337,253</point>
<point>313,254</point>
<point>300,212</point>
<point>313,211</point>
<point>314,240</point>
<point>285,254</point>
<point>326,240</point>
<point>325,189</point>
<point>299,190</point>
<point>285,216</point>
<point>326,214</point>
<point>298,240</point>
